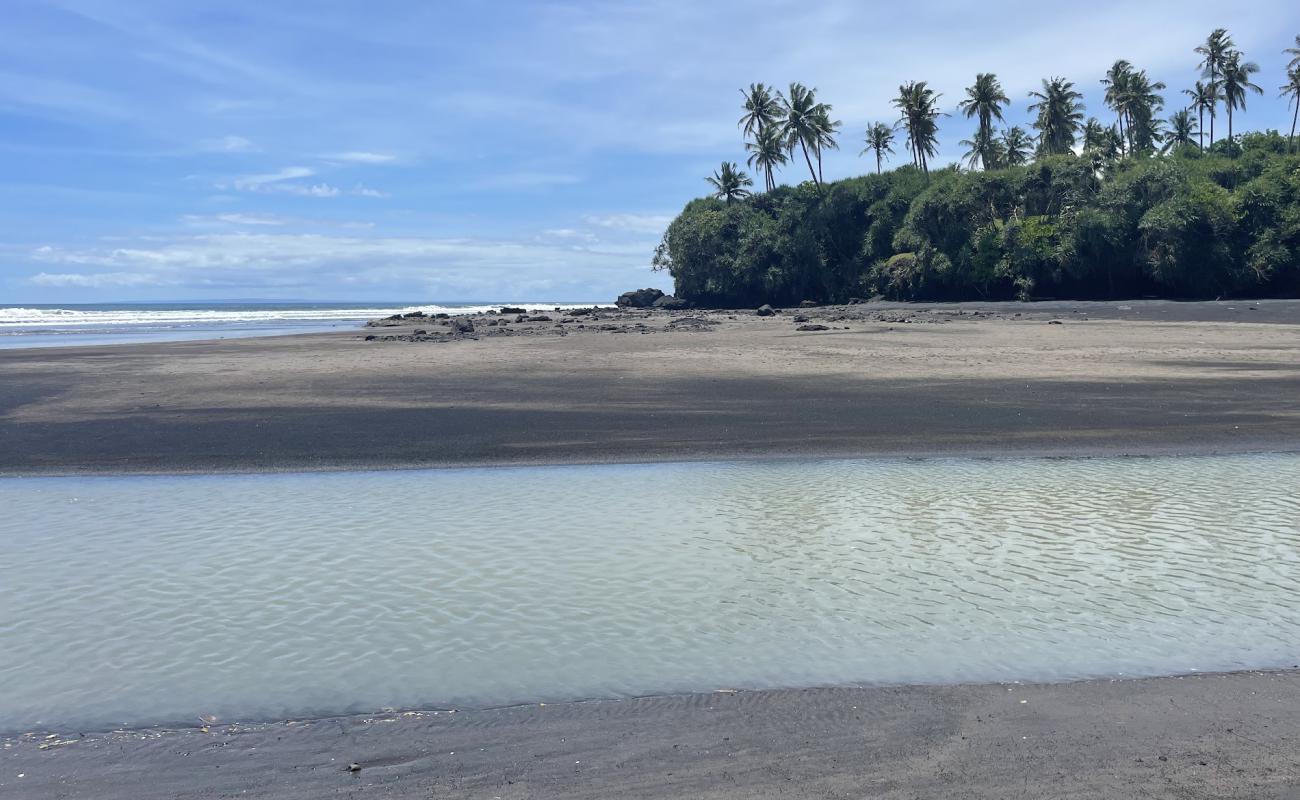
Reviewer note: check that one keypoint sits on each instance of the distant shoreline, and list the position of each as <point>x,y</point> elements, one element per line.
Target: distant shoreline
<point>887,380</point>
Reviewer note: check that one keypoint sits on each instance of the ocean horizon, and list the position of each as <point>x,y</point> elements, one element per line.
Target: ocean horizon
<point>25,325</point>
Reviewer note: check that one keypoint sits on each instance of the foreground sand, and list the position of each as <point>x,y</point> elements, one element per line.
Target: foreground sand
<point>1220,736</point>
<point>1129,378</point>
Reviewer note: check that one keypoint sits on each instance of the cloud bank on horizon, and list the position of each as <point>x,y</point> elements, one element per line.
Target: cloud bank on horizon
<point>343,150</point>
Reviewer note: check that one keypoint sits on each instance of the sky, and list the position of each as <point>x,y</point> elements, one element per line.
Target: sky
<point>154,150</point>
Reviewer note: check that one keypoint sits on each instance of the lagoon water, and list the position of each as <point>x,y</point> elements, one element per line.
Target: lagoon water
<point>139,600</point>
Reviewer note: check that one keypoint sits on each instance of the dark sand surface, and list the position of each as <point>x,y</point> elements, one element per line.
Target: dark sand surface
<point>1217,736</point>
<point>1136,377</point>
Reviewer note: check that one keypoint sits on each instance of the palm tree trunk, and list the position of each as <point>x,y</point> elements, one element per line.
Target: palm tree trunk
<point>808,160</point>
<point>1294,117</point>
<point>1200,128</point>
<point>820,177</point>
<point>878,152</point>
<point>1230,124</point>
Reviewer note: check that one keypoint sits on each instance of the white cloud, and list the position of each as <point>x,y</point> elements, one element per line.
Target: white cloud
<point>253,183</point>
<point>228,144</point>
<point>362,157</point>
<point>634,223</point>
<point>365,191</point>
<point>96,280</point>
<point>447,265</point>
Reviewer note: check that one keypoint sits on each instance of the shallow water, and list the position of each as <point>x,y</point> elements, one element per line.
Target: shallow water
<point>143,599</point>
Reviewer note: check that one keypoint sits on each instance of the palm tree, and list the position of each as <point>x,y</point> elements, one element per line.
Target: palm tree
<point>1094,134</point>
<point>1135,100</point>
<point>1182,129</point>
<point>1117,82</point>
<point>762,108</point>
<point>1140,101</point>
<point>984,151</point>
<point>1214,56</point>
<point>801,124</point>
<point>1237,83</point>
<point>985,100</point>
<point>918,106</point>
<point>824,129</point>
<point>880,139</point>
<point>1016,146</point>
<point>767,153</point>
<point>1060,114</point>
<point>1204,97</point>
<point>1294,52</point>
<point>1292,88</point>
<point>729,182</point>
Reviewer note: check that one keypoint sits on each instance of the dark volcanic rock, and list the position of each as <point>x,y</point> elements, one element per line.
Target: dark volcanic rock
<point>513,310</point>
<point>539,318</point>
<point>420,332</point>
<point>812,328</point>
<point>765,311</point>
<point>808,304</point>
<point>671,303</point>
<point>801,318</point>
<point>463,325</point>
<point>413,315</point>
<point>641,298</point>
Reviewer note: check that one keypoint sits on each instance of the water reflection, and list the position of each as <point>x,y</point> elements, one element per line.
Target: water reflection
<point>132,600</point>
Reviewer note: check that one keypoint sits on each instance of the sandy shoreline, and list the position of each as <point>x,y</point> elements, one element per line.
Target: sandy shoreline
<point>1224,736</point>
<point>1134,378</point>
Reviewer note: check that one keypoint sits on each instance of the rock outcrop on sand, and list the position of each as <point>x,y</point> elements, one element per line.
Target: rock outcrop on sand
<point>641,298</point>
<point>671,303</point>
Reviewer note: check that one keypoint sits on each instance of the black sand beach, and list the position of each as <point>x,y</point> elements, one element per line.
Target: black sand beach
<point>998,379</point>
<point>1214,736</point>
<point>1127,378</point>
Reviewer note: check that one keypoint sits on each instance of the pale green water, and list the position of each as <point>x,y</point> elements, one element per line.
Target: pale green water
<point>140,600</point>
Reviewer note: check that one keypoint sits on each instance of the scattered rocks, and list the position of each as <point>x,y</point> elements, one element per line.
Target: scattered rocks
<point>692,324</point>
<point>463,325</point>
<point>765,310</point>
<point>641,298</point>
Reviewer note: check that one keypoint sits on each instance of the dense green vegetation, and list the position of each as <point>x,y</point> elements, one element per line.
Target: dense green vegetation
<point>1141,207</point>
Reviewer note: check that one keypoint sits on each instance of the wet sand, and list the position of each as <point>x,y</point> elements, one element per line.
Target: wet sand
<point>1219,736</point>
<point>1056,379</point>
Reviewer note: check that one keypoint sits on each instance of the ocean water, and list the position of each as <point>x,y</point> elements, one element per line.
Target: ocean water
<point>58,326</point>
<point>138,600</point>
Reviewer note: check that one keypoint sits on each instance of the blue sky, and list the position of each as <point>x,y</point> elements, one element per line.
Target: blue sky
<point>410,150</point>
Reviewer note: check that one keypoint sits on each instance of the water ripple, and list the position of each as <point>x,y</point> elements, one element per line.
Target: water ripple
<point>135,600</point>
